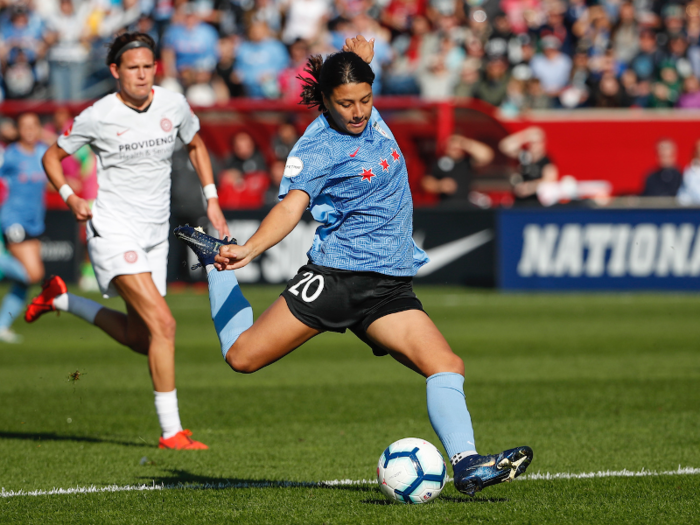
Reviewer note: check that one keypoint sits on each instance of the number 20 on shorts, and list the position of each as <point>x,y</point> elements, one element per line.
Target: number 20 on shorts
<point>307,281</point>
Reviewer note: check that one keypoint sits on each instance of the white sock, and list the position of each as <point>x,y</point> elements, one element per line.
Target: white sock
<point>210,268</point>
<point>168,413</point>
<point>84,308</point>
<point>460,456</point>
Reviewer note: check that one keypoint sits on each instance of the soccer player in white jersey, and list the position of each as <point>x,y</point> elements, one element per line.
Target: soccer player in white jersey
<point>133,133</point>
<point>349,171</point>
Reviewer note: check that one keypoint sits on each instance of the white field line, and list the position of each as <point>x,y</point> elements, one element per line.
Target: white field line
<point>331,483</point>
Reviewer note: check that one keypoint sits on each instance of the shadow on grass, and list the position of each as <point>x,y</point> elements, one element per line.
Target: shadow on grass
<point>51,436</point>
<point>187,480</point>
<point>450,499</point>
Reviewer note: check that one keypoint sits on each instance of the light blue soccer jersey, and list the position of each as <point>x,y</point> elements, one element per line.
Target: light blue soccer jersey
<point>358,186</point>
<point>26,184</point>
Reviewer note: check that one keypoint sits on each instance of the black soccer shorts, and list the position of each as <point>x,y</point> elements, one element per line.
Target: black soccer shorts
<point>329,299</point>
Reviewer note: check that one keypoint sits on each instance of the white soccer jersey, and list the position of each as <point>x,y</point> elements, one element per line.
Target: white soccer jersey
<point>134,151</point>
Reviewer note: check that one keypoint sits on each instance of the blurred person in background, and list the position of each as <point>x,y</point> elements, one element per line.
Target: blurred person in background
<point>437,81</point>
<point>647,61</point>
<point>68,37</point>
<point>244,178</point>
<point>276,174</point>
<point>493,85</point>
<point>536,97</point>
<point>303,19</point>
<point>410,50</point>
<point>284,140</point>
<point>551,67</point>
<point>22,52</point>
<point>555,26</point>
<point>259,61</point>
<point>581,84</point>
<point>534,165</point>
<point>666,179</point>
<point>468,79</point>
<point>609,93</point>
<point>22,220</point>
<point>451,175</point>
<point>666,91</point>
<point>289,78</point>
<point>189,46</point>
<point>625,34</point>
<point>689,192</point>
<point>690,98</point>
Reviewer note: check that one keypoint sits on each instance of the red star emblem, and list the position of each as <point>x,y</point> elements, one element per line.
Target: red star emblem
<point>367,174</point>
<point>395,154</point>
<point>384,164</point>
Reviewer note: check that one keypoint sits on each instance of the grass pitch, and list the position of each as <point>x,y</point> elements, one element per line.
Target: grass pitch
<point>590,382</point>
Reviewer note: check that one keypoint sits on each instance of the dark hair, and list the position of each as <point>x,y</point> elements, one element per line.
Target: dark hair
<point>338,69</point>
<point>116,48</point>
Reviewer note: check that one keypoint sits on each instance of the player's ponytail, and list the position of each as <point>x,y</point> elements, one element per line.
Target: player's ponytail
<point>338,69</point>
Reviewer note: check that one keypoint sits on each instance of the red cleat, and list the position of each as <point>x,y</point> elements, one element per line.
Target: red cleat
<point>43,303</point>
<point>181,441</point>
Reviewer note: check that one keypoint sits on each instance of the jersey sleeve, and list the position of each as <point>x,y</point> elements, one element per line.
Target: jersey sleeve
<point>81,132</point>
<point>307,168</point>
<point>190,123</point>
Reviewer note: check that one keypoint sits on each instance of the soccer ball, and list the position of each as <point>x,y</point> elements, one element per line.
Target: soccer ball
<point>411,470</point>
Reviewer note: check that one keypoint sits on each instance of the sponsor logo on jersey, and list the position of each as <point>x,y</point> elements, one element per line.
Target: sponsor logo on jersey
<point>120,133</point>
<point>380,130</point>
<point>293,167</point>
<point>353,154</point>
<point>131,257</point>
<point>166,125</point>
<point>151,143</point>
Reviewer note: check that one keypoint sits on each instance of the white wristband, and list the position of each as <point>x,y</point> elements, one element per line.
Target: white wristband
<point>65,192</point>
<point>210,192</point>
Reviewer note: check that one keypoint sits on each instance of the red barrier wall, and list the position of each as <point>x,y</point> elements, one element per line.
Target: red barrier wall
<point>613,145</point>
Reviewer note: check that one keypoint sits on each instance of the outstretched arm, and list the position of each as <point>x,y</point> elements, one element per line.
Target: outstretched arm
<point>361,47</point>
<point>480,153</point>
<point>512,144</point>
<point>202,165</point>
<point>276,226</point>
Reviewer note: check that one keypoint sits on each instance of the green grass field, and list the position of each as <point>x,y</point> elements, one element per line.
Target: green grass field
<point>590,382</point>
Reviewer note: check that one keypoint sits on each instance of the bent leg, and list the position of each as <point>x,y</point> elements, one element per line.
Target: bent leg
<point>28,254</point>
<point>414,340</point>
<point>275,333</point>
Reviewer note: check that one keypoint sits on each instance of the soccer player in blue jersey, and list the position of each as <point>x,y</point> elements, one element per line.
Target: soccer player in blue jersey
<point>350,172</point>
<point>22,220</point>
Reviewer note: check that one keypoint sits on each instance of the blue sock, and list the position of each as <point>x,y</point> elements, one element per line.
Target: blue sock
<point>12,305</point>
<point>448,413</point>
<point>230,311</point>
<point>13,269</point>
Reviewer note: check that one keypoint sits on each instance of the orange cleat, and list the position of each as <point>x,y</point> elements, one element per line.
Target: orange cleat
<point>43,303</point>
<point>181,441</point>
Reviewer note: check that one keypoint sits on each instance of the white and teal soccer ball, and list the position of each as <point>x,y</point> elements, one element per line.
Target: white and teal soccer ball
<point>411,471</point>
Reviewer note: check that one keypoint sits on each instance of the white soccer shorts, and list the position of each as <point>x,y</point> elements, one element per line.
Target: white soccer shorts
<point>113,255</point>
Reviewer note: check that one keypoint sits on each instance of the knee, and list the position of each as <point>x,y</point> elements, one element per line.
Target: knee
<point>454,364</point>
<point>35,275</point>
<point>164,326</point>
<point>240,362</point>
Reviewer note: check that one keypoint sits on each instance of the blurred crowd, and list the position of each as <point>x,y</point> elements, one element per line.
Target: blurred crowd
<point>514,54</point>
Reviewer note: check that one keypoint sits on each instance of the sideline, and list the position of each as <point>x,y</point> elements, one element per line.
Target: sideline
<point>682,471</point>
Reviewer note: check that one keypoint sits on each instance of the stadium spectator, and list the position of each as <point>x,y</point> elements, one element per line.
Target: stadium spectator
<point>276,174</point>
<point>529,148</point>
<point>689,192</point>
<point>666,91</point>
<point>648,59</point>
<point>284,140</point>
<point>666,179</point>
<point>304,19</point>
<point>69,51</point>
<point>289,82</point>
<point>551,67</point>
<point>259,61</point>
<point>451,175</point>
<point>555,26</point>
<point>625,34</point>
<point>610,94</point>
<point>410,50</point>
<point>189,45</point>
<point>468,79</point>
<point>493,86</point>
<point>691,93</point>
<point>244,179</point>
